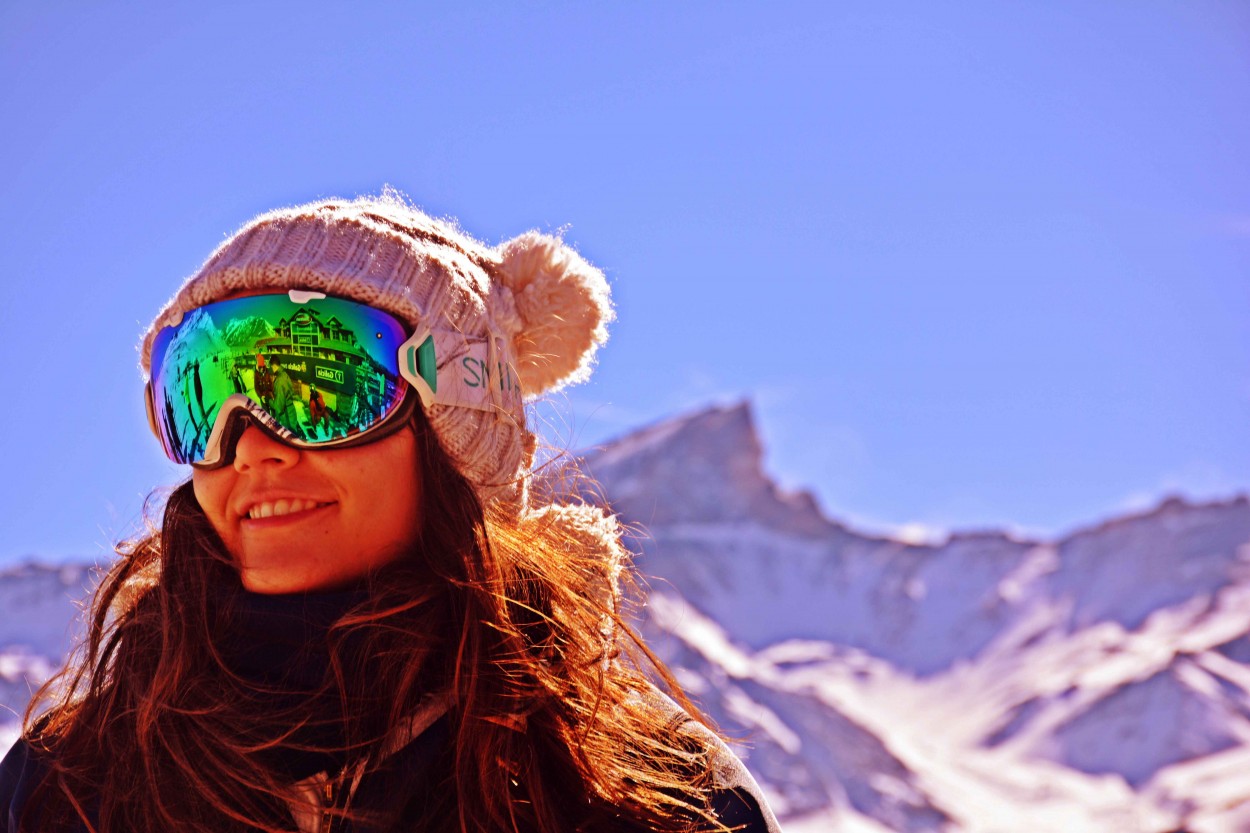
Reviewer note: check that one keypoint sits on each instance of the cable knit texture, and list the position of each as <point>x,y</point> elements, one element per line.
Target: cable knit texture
<point>545,306</point>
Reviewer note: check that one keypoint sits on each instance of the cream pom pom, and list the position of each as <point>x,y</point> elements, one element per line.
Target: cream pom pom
<point>564,306</point>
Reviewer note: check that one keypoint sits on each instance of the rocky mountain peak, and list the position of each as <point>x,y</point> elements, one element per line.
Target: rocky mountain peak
<point>706,467</point>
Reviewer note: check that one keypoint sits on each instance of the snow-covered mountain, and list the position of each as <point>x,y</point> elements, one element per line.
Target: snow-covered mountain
<point>38,621</point>
<point>1099,682</point>
<point>243,332</point>
<point>988,683</point>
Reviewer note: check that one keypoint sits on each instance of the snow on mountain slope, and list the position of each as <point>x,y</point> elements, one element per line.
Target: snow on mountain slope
<point>37,606</point>
<point>1070,682</point>
<point>1126,569</point>
<point>804,706</point>
<point>921,607</point>
<point>21,674</point>
<point>38,624</point>
<point>807,751</point>
<point>715,526</point>
<point>1178,714</point>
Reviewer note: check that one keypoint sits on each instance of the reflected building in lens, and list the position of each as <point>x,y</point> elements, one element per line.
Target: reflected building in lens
<point>325,354</point>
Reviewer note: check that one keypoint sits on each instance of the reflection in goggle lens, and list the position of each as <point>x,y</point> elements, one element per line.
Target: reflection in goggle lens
<point>324,369</point>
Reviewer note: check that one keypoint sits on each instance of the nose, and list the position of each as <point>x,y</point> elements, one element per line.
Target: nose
<point>256,448</point>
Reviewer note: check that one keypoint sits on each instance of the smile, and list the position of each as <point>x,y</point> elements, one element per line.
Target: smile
<point>283,506</point>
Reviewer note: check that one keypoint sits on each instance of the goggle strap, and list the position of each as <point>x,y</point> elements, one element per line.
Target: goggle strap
<point>496,391</point>
<point>448,368</point>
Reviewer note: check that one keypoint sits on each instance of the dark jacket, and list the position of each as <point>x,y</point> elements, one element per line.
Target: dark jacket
<point>738,803</point>
<point>289,623</point>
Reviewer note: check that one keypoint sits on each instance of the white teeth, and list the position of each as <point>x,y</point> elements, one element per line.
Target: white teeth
<point>282,506</point>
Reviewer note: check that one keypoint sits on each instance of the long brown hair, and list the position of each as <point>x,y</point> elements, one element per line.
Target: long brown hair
<point>554,724</point>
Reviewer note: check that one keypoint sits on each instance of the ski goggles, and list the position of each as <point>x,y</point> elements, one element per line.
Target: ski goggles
<point>313,371</point>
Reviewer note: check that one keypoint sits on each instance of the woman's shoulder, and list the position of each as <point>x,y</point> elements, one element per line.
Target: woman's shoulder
<point>20,772</point>
<point>737,799</point>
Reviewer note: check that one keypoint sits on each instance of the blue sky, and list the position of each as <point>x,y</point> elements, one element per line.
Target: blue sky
<point>976,264</point>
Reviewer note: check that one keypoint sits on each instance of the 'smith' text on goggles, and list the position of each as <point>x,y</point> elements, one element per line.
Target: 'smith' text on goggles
<point>315,371</point>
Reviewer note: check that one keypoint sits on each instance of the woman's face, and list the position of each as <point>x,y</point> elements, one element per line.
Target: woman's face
<point>298,520</point>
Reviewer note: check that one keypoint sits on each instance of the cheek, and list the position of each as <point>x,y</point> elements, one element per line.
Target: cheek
<point>211,491</point>
<point>396,493</point>
<point>412,509</point>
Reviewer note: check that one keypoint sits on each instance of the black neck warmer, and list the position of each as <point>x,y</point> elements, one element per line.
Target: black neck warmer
<point>279,646</point>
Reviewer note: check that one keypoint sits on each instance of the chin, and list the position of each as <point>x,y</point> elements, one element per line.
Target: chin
<point>270,580</point>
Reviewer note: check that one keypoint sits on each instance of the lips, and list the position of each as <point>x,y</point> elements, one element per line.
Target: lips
<point>281,506</point>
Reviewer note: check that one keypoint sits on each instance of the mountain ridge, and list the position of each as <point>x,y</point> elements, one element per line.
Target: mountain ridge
<point>984,664</point>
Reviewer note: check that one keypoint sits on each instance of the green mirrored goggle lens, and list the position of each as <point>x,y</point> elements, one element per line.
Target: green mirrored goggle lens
<point>324,369</point>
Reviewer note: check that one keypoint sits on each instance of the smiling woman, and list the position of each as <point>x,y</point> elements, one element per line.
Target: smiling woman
<point>296,521</point>
<point>363,612</point>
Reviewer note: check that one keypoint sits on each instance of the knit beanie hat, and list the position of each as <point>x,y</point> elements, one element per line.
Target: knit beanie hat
<point>541,308</point>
